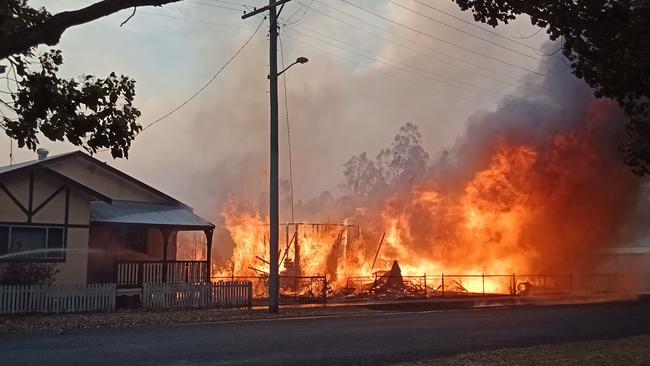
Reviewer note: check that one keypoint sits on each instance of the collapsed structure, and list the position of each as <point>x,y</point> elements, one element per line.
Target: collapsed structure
<point>525,201</point>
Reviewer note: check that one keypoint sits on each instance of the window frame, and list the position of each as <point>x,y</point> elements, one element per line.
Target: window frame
<point>45,258</point>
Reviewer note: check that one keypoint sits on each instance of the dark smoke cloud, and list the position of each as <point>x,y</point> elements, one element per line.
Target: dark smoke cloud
<point>580,195</point>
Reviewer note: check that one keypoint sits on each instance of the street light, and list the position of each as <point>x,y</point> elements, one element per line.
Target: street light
<point>274,191</point>
<point>274,204</point>
<point>299,60</point>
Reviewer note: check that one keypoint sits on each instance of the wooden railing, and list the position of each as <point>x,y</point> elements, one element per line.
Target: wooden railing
<point>135,274</point>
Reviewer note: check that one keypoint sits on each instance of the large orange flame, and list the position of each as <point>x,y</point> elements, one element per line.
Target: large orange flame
<point>529,208</point>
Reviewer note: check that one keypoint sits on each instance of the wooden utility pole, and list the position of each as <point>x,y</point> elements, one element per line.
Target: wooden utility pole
<point>274,210</point>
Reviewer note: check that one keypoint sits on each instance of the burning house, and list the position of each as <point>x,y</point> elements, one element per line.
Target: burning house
<point>520,203</point>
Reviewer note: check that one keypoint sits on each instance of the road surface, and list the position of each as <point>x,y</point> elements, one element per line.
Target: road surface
<point>374,339</point>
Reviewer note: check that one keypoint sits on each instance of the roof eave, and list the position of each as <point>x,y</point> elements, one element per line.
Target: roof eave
<point>210,226</point>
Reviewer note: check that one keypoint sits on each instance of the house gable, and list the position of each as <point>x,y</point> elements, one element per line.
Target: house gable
<point>34,198</point>
<point>14,197</point>
<point>106,180</point>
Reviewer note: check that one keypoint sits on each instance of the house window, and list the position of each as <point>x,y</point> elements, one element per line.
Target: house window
<point>27,242</point>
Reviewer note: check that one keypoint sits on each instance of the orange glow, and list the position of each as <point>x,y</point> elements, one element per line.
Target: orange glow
<point>525,209</point>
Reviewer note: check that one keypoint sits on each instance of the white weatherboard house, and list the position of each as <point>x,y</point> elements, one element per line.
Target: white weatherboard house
<point>95,223</point>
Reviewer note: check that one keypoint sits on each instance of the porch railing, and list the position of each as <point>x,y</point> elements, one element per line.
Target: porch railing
<point>135,274</point>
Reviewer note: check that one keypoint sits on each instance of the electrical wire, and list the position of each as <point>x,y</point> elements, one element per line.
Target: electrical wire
<point>194,20</point>
<point>230,2</point>
<point>286,114</point>
<point>473,24</point>
<point>304,13</point>
<point>456,97</point>
<point>399,36</point>
<point>290,17</point>
<point>207,83</point>
<point>521,36</point>
<point>200,89</point>
<point>410,68</point>
<point>449,43</point>
<point>464,31</point>
<point>516,83</point>
<point>214,5</point>
<point>406,70</point>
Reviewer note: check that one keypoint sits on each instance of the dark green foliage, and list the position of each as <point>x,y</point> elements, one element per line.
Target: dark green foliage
<point>26,274</point>
<point>15,16</point>
<point>94,113</point>
<point>606,43</point>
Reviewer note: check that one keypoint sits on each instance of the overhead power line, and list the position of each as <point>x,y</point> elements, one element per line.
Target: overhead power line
<point>286,114</point>
<point>400,67</point>
<point>214,5</point>
<point>473,24</point>
<point>207,83</point>
<point>424,46</point>
<point>411,68</point>
<point>304,8</point>
<point>241,3</point>
<point>463,31</point>
<point>456,97</point>
<point>193,20</point>
<point>515,82</point>
<point>452,44</point>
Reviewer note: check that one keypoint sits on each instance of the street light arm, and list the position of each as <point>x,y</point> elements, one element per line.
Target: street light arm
<point>287,68</point>
<point>299,60</point>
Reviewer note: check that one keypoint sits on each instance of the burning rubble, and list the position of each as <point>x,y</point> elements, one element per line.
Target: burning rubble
<point>530,189</point>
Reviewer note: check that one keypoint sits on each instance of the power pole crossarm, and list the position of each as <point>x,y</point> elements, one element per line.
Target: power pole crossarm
<point>263,9</point>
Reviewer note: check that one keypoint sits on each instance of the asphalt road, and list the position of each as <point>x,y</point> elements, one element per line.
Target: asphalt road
<point>374,339</point>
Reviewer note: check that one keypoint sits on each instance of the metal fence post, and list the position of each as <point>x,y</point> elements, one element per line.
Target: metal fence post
<point>374,287</point>
<point>514,285</point>
<point>483,280</point>
<point>250,295</point>
<point>325,289</point>
<point>425,285</point>
<point>442,286</point>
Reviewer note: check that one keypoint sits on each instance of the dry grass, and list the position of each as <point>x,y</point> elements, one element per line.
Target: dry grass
<point>140,317</point>
<point>626,351</point>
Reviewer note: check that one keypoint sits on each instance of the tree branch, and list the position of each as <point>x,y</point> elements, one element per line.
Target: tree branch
<point>130,16</point>
<point>50,31</point>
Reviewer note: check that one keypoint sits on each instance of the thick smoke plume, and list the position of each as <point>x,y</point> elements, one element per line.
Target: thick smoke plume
<point>536,186</point>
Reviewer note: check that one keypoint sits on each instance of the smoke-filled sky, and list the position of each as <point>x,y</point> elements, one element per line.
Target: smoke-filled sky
<point>366,77</point>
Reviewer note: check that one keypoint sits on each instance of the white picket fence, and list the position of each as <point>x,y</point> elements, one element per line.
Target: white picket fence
<point>224,295</point>
<point>57,299</point>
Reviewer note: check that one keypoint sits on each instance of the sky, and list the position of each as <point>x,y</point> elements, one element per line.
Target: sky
<point>367,75</point>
